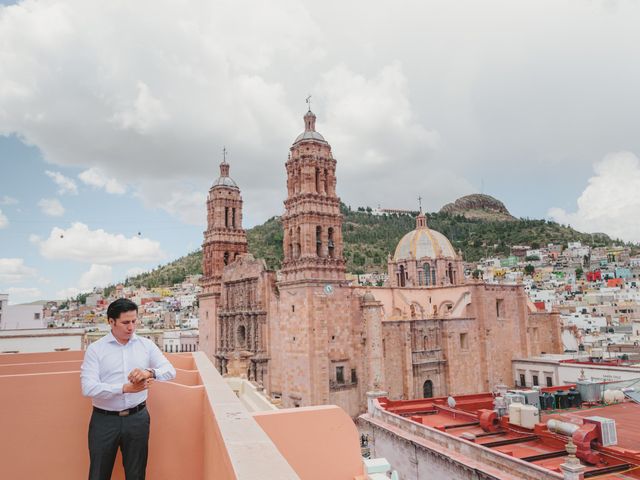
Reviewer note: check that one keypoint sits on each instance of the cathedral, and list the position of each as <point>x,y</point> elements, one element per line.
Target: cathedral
<point>309,337</point>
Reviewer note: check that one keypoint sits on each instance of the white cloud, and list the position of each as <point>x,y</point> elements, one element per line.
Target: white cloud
<point>7,200</point>
<point>65,184</point>
<point>23,294</point>
<point>96,178</point>
<point>13,270</point>
<point>51,207</point>
<point>159,97</point>
<point>96,276</point>
<point>70,292</point>
<point>132,272</point>
<point>81,244</point>
<point>611,201</point>
<point>4,221</point>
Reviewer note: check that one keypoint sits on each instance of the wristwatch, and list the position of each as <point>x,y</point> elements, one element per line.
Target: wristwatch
<point>153,372</point>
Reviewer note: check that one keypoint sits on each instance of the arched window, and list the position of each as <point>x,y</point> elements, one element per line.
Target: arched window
<point>450,273</point>
<point>318,240</point>
<point>427,273</point>
<point>330,243</point>
<point>419,277</point>
<point>297,249</point>
<point>226,258</point>
<point>427,389</point>
<point>226,217</point>
<point>233,218</point>
<point>290,244</point>
<point>242,336</point>
<point>433,276</point>
<point>402,276</point>
<point>324,181</point>
<point>317,180</point>
<point>425,342</point>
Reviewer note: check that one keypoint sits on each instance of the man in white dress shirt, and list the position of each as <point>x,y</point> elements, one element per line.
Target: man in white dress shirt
<point>116,373</point>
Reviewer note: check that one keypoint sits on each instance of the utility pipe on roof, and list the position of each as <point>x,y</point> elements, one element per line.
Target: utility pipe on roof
<point>565,428</point>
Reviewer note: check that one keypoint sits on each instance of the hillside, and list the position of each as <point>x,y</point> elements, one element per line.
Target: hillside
<point>370,238</point>
<point>480,207</point>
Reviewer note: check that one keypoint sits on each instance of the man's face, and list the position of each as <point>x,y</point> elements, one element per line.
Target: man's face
<point>124,326</point>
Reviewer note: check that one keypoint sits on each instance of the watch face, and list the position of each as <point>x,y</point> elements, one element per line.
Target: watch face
<point>328,289</point>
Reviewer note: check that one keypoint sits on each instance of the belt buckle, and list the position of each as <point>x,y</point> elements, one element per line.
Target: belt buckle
<point>123,413</point>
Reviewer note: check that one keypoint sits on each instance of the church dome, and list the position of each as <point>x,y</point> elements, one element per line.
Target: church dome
<point>225,182</point>
<point>310,136</point>
<point>310,129</point>
<point>424,242</point>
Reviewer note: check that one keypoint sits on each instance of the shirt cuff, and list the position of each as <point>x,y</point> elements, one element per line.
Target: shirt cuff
<point>116,388</point>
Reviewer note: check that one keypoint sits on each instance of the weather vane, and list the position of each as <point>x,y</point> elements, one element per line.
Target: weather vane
<point>308,100</point>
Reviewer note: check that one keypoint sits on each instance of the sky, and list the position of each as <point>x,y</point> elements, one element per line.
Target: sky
<point>113,117</point>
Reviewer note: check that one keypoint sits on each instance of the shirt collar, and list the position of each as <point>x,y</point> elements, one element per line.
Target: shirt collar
<point>110,338</point>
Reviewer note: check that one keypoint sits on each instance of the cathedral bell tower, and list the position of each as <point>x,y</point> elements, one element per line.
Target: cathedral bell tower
<point>312,222</point>
<point>224,240</point>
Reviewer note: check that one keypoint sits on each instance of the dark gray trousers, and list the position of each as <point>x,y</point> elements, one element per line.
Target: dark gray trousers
<point>107,433</point>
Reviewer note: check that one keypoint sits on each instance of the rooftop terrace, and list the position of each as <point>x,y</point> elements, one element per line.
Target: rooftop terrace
<point>473,422</point>
<point>199,429</point>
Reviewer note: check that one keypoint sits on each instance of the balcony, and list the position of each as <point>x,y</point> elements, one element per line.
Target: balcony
<point>199,427</point>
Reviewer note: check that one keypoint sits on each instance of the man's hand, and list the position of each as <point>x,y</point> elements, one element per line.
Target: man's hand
<point>137,387</point>
<point>137,375</point>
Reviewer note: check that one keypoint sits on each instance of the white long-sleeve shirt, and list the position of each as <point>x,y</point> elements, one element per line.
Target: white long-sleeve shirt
<point>107,364</point>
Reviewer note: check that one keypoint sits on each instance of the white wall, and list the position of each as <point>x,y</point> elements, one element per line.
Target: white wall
<point>32,341</point>
<point>22,317</point>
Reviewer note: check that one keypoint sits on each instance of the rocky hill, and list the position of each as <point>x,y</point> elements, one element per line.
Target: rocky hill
<point>479,206</point>
<point>370,238</point>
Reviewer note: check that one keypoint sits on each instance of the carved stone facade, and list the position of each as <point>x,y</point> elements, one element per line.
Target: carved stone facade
<point>312,221</point>
<point>224,241</point>
<point>309,338</point>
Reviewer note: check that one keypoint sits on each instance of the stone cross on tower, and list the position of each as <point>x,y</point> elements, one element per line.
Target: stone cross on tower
<point>308,100</point>
<point>420,202</point>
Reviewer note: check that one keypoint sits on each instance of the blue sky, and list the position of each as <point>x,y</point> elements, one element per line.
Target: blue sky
<point>129,105</point>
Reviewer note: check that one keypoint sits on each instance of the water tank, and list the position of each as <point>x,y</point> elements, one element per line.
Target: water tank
<point>609,396</point>
<point>574,398</point>
<point>547,401</point>
<point>589,391</point>
<point>564,428</point>
<point>562,399</point>
<point>500,406</point>
<point>529,416</point>
<point>513,397</point>
<point>617,396</point>
<point>514,413</point>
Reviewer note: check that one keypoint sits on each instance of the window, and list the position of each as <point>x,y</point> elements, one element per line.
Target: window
<point>549,382</point>
<point>354,377</point>
<point>36,316</point>
<point>499,307</point>
<point>293,308</point>
<point>535,380</point>
<point>318,241</point>
<point>339,374</point>
<point>464,344</point>
<point>523,383</point>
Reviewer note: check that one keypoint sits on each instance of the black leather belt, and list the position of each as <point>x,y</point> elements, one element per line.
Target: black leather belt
<point>122,413</point>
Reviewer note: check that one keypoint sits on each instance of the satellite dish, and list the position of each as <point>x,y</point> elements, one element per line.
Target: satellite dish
<point>451,402</point>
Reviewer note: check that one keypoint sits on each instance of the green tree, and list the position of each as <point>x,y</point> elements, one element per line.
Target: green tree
<point>579,272</point>
<point>529,269</point>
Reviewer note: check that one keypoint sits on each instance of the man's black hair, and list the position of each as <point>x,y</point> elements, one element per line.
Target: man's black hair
<point>119,306</point>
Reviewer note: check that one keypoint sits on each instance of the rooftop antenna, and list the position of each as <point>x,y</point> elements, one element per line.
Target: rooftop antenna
<point>308,100</point>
